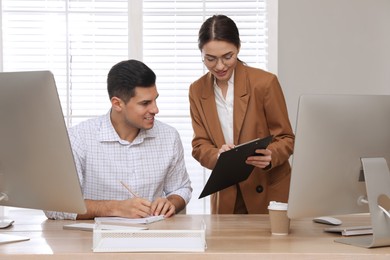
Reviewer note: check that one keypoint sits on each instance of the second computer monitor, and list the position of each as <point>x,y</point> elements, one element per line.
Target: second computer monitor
<point>333,133</point>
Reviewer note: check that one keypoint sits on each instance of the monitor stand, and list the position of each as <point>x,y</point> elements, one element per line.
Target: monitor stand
<point>6,223</point>
<point>377,178</point>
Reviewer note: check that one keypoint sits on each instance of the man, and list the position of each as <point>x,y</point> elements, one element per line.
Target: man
<point>129,164</point>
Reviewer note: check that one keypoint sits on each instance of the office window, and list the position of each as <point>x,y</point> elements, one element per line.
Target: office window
<point>80,40</point>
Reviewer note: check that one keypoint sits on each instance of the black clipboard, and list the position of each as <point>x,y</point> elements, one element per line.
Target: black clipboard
<point>231,167</point>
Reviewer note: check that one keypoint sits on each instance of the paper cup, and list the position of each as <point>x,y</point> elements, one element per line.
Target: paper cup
<point>280,223</point>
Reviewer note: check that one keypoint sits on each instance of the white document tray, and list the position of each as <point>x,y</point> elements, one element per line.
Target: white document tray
<point>149,240</point>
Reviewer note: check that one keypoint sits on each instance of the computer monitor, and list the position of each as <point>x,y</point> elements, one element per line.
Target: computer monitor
<point>37,168</point>
<point>336,137</point>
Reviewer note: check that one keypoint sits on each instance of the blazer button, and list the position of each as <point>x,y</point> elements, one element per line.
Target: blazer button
<point>259,189</point>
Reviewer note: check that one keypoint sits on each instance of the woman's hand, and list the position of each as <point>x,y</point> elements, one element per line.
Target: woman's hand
<point>263,160</point>
<point>224,148</point>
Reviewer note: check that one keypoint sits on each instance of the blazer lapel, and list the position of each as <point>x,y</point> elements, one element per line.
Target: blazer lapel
<point>241,98</point>
<point>210,112</point>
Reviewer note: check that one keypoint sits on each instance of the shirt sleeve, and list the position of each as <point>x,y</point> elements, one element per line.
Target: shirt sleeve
<point>178,181</point>
<point>60,215</point>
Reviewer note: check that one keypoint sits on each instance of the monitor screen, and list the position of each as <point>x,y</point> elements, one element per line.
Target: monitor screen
<point>333,133</point>
<point>37,169</point>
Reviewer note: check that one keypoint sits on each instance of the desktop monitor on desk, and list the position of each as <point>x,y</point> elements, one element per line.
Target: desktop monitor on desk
<point>337,136</point>
<point>37,169</point>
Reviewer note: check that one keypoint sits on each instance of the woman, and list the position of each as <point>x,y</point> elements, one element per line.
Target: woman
<point>232,104</point>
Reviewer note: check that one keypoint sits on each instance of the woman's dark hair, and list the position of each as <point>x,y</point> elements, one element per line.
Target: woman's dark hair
<point>220,28</point>
<point>124,76</point>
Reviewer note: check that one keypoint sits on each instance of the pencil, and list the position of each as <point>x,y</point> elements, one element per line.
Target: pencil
<point>128,188</point>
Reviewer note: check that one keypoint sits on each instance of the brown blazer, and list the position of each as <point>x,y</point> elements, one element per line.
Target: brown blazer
<point>259,110</point>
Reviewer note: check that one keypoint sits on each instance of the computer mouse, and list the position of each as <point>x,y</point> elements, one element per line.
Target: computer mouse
<point>328,220</point>
<point>4,223</point>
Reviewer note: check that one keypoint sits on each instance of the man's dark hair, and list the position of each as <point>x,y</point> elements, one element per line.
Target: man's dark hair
<point>124,76</point>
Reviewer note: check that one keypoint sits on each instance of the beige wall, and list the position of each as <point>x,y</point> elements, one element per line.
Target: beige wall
<point>333,46</point>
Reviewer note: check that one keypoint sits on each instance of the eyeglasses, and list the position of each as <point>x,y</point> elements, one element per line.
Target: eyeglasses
<point>212,61</point>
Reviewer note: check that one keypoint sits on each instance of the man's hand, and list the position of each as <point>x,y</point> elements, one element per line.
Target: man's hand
<point>130,208</point>
<point>162,206</point>
<point>134,208</point>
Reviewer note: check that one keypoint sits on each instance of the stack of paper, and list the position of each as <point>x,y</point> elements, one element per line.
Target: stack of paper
<point>146,220</point>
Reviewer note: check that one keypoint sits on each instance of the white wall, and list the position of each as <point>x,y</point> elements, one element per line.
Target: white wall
<point>333,46</point>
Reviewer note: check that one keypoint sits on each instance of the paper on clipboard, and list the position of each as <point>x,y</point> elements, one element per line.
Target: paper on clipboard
<point>231,167</point>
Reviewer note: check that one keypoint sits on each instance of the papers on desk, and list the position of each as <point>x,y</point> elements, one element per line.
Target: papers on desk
<point>146,220</point>
<point>7,238</point>
<point>91,226</point>
<point>116,223</point>
<point>351,231</point>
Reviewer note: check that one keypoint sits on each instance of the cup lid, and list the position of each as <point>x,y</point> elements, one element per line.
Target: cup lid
<point>273,205</point>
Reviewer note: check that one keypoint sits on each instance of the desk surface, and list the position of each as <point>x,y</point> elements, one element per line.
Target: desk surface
<point>227,237</point>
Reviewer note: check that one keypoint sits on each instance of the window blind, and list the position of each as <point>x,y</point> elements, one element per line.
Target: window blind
<point>80,40</point>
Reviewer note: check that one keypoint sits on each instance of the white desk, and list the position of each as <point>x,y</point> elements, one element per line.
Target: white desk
<point>228,237</point>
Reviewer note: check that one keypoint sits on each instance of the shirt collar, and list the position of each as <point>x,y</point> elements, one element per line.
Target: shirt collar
<point>108,133</point>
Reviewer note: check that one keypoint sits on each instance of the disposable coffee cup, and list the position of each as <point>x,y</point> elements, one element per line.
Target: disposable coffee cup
<point>280,223</point>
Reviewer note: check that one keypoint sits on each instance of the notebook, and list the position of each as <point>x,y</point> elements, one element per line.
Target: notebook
<point>146,220</point>
<point>90,227</point>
